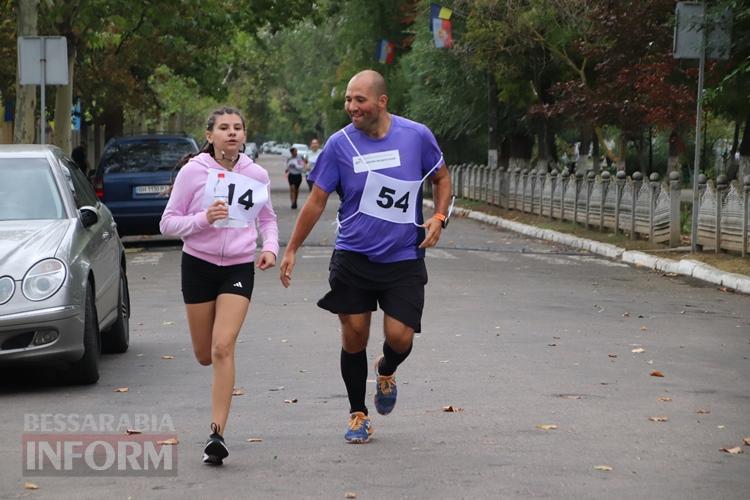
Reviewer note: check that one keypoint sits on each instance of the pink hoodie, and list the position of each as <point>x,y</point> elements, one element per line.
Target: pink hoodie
<point>185,217</point>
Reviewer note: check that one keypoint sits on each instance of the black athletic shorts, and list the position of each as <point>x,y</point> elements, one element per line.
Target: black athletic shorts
<point>358,285</point>
<point>294,179</point>
<point>203,281</point>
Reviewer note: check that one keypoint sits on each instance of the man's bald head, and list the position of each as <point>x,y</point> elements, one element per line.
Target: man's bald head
<point>371,79</point>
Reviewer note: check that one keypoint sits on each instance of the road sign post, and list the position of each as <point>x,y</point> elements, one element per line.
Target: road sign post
<point>42,60</point>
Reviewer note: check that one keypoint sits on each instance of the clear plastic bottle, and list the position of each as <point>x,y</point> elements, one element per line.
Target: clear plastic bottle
<point>221,192</point>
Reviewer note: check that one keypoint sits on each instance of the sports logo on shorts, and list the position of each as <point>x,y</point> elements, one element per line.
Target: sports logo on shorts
<point>238,284</point>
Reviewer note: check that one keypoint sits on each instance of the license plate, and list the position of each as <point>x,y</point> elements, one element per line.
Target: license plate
<point>154,189</point>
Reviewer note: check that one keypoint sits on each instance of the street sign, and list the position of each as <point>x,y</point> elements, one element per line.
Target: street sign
<point>42,60</point>
<point>689,27</point>
<point>48,51</point>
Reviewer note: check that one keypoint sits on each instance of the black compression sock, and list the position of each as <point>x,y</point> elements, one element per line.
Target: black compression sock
<point>354,373</point>
<point>391,359</point>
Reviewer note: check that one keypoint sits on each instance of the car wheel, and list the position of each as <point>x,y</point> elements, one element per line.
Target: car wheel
<point>86,369</point>
<point>117,338</point>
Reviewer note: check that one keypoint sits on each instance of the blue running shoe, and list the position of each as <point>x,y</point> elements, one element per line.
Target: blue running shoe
<point>385,391</point>
<point>360,428</point>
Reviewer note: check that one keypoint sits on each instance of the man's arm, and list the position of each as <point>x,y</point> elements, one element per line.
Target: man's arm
<point>441,195</point>
<point>308,217</point>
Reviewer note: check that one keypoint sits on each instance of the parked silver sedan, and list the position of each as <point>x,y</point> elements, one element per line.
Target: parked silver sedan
<point>63,283</point>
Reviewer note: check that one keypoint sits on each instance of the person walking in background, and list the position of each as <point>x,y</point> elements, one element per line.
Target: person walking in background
<point>217,262</point>
<point>294,168</point>
<point>377,164</point>
<point>310,159</point>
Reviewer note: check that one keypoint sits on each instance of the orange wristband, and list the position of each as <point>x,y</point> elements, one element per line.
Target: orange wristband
<point>440,217</point>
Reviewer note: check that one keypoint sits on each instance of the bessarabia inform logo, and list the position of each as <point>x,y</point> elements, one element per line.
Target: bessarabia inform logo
<point>98,445</point>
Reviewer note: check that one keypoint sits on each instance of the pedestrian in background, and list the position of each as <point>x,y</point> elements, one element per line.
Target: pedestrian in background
<point>294,168</point>
<point>310,159</point>
<point>78,155</point>
<point>217,262</point>
<point>377,164</point>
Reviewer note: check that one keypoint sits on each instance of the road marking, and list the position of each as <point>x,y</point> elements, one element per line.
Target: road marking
<point>147,258</point>
<point>550,259</point>
<point>436,253</point>
<point>598,260</point>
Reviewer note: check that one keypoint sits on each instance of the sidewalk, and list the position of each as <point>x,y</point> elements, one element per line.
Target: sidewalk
<point>684,267</point>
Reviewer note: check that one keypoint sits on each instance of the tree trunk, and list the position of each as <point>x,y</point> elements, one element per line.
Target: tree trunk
<point>25,127</point>
<point>113,120</point>
<point>731,161</point>
<point>521,146</point>
<point>63,105</point>
<point>743,168</point>
<point>492,116</point>
<point>675,148</point>
<point>595,152</point>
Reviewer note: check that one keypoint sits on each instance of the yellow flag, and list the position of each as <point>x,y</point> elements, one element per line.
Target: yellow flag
<point>445,13</point>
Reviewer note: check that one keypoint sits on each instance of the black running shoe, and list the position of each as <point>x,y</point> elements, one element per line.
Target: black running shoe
<point>215,451</point>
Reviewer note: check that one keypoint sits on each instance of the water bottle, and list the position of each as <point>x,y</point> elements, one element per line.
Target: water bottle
<point>221,192</point>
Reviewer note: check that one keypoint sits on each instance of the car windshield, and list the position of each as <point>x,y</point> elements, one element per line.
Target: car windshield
<point>149,155</point>
<point>28,190</point>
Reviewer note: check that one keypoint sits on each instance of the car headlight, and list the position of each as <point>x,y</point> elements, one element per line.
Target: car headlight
<point>44,279</point>
<point>7,287</point>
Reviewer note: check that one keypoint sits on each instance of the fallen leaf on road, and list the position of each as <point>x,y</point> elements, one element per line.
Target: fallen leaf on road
<point>122,389</point>
<point>638,350</point>
<point>350,494</point>
<point>732,451</point>
<point>290,400</point>
<point>238,391</point>
<point>552,345</point>
<point>452,409</point>
<point>656,373</point>
<point>625,315</point>
<point>546,427</point>
<point>703,411</point>
<point>612,355</point>
<point>747,441</point>
<point>659,419</point>
<point>132,431</point>
<point>279,388</point>
<point>665,398</point>
<point>571,396</point>
<point>721,426</point>
<point>603,468</point>
<point>254,440</point>
<point>643,328</point>
<point>30,486</point>
<point>167,323</point>
<point>284,341</point>
<point>167,356</point>
<point>170,441</point>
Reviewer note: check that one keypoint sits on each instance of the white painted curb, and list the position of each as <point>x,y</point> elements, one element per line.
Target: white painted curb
<point>684,267</point>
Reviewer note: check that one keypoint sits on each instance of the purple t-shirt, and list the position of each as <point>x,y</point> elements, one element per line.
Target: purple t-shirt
<point>408,152</point>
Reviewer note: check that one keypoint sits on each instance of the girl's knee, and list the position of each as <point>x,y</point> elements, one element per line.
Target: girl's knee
<point>204,358</point>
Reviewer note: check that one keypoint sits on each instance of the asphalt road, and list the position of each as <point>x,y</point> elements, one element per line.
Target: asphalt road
<point>517,334</point>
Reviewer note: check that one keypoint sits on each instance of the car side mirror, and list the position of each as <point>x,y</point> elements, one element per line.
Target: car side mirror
<point>89,216</point>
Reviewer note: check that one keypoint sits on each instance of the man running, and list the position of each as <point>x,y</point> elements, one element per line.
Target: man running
<point>377,164</point>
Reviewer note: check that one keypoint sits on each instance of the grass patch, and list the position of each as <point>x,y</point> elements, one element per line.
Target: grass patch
<point>728,262</point>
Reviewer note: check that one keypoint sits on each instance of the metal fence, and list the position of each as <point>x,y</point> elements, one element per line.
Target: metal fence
<point>638,207</point>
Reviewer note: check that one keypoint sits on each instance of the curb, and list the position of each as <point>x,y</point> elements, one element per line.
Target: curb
<point>684,267</point>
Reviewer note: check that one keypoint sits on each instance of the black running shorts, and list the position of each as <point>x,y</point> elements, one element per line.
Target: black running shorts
<point>294,179</point>
<point>203,281</point>
<point>358,285</point>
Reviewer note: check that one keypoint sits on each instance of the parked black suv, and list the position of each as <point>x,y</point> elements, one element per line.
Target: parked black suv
<point>134,177</point>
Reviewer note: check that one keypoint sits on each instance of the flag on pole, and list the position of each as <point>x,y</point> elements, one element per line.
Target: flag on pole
<point>439,12</point>
<point>442,33</point>
<point>386,52</point>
